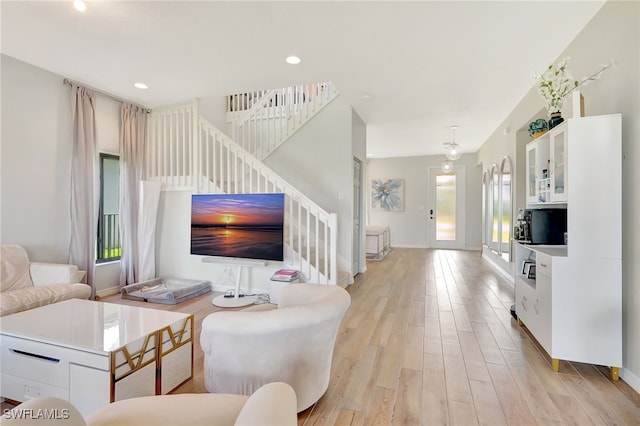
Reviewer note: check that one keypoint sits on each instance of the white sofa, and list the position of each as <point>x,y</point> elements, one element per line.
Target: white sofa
<point>27,285</point>
<point>293,344</point>
<point>274,404</point>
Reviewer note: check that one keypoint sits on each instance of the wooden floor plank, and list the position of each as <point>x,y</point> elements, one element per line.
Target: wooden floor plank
<point>456,374</point>
<point>473,359</point>
<point>594,406</point>
<point>432,337</point>
<point>461,318</point>
<point>391,362</point>
<point>462,413</point>
<point>488,346</point>
<point>514,406</point>
<point>434,399</point>
<point>380,410</point>
<point>608,392</point>
<point>414,348</point>
<point>535,395</point>
<point>570,410</point>
<point>361,380</point>
<point>357,340</point>
<point>486,403</point>
<point>408,402</point>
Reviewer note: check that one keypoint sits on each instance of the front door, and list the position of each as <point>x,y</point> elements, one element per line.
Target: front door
<point>446,208</point>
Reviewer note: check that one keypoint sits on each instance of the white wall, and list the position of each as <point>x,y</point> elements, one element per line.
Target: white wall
<point>409,228</point>
<point>36,162</point>
<point>318,160</point>
<point>214,110</point>
<point>614,33</point>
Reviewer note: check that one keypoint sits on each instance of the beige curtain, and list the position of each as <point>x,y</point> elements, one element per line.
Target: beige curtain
<point>84,181</point>
<point>133,134</point>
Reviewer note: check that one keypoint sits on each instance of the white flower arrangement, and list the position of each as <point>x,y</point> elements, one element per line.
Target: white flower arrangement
<point>555,83</point>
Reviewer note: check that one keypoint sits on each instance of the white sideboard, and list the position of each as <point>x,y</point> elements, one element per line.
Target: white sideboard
<point>573,306</point>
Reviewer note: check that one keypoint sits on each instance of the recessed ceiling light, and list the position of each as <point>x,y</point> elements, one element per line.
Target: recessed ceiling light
<point>80,5</point>
<point>293,60</point>
<point>141,86</point>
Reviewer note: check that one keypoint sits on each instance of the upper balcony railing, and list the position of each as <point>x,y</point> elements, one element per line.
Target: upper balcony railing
<point>262,120</point>
<point>108,243</point>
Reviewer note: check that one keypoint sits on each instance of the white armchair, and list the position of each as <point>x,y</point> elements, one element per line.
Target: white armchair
<point>294,343</point>
<point>27,285</point>
<point>272,405</point>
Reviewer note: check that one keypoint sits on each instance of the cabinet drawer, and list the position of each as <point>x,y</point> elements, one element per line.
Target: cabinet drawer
<point>543,264</point>
<point>525,298</point>
<point>42,362</point>
<point>35,363</point>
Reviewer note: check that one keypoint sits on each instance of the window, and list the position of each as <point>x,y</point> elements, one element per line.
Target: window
<point>108,245</point>
<point>497,202</point>
<point>446,207</point>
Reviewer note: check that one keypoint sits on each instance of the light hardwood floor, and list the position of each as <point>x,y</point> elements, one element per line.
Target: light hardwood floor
<point>428,340</point>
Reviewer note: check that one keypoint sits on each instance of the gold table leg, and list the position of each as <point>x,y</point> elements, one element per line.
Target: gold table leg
<point>555,364</point>
<point>615,373</point>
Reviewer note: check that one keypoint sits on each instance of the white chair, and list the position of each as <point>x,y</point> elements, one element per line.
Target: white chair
<point>272,405</point>
<point>293,344</point>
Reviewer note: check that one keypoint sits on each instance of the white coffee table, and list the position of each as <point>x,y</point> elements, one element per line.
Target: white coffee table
<point>93,353</point>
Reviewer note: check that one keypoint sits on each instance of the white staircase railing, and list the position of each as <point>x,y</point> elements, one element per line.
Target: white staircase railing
<point>261,121</point>
<point>185,151</point>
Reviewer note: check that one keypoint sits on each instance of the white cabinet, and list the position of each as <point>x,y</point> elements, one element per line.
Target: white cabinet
<point>570,307</point>
<point>573,305</point>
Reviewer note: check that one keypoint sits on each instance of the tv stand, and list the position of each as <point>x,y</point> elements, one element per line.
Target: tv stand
<point>236,301</point>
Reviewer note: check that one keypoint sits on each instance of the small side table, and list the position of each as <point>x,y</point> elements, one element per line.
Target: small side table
<point>276,286</point>
<point>378,242</point>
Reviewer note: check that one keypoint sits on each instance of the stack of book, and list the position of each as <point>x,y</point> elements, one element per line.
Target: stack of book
<point>285,275</point>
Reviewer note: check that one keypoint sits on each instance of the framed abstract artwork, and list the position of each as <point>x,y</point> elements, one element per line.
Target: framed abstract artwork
<point>387,195</point>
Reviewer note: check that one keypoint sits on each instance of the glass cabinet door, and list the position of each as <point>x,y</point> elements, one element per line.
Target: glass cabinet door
<point>558,165</point>
<point>531,173</point>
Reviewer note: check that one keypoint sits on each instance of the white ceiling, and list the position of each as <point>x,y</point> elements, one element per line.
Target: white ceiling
<point>426,65</point>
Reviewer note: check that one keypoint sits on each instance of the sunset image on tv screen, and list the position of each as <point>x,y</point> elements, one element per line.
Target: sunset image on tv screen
<point>238,225</point>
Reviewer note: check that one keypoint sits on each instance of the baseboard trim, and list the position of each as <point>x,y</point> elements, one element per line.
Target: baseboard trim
<point>108,291</point>
<point>630,379</point>
<point>497,267</point>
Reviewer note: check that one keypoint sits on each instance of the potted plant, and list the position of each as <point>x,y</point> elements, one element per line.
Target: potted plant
<point>556,82</point>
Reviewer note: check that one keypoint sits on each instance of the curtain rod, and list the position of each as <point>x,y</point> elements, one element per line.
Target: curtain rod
<point>107,95</point>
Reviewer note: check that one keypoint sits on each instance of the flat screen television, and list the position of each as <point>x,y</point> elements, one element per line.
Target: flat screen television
<point>245,226</point>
